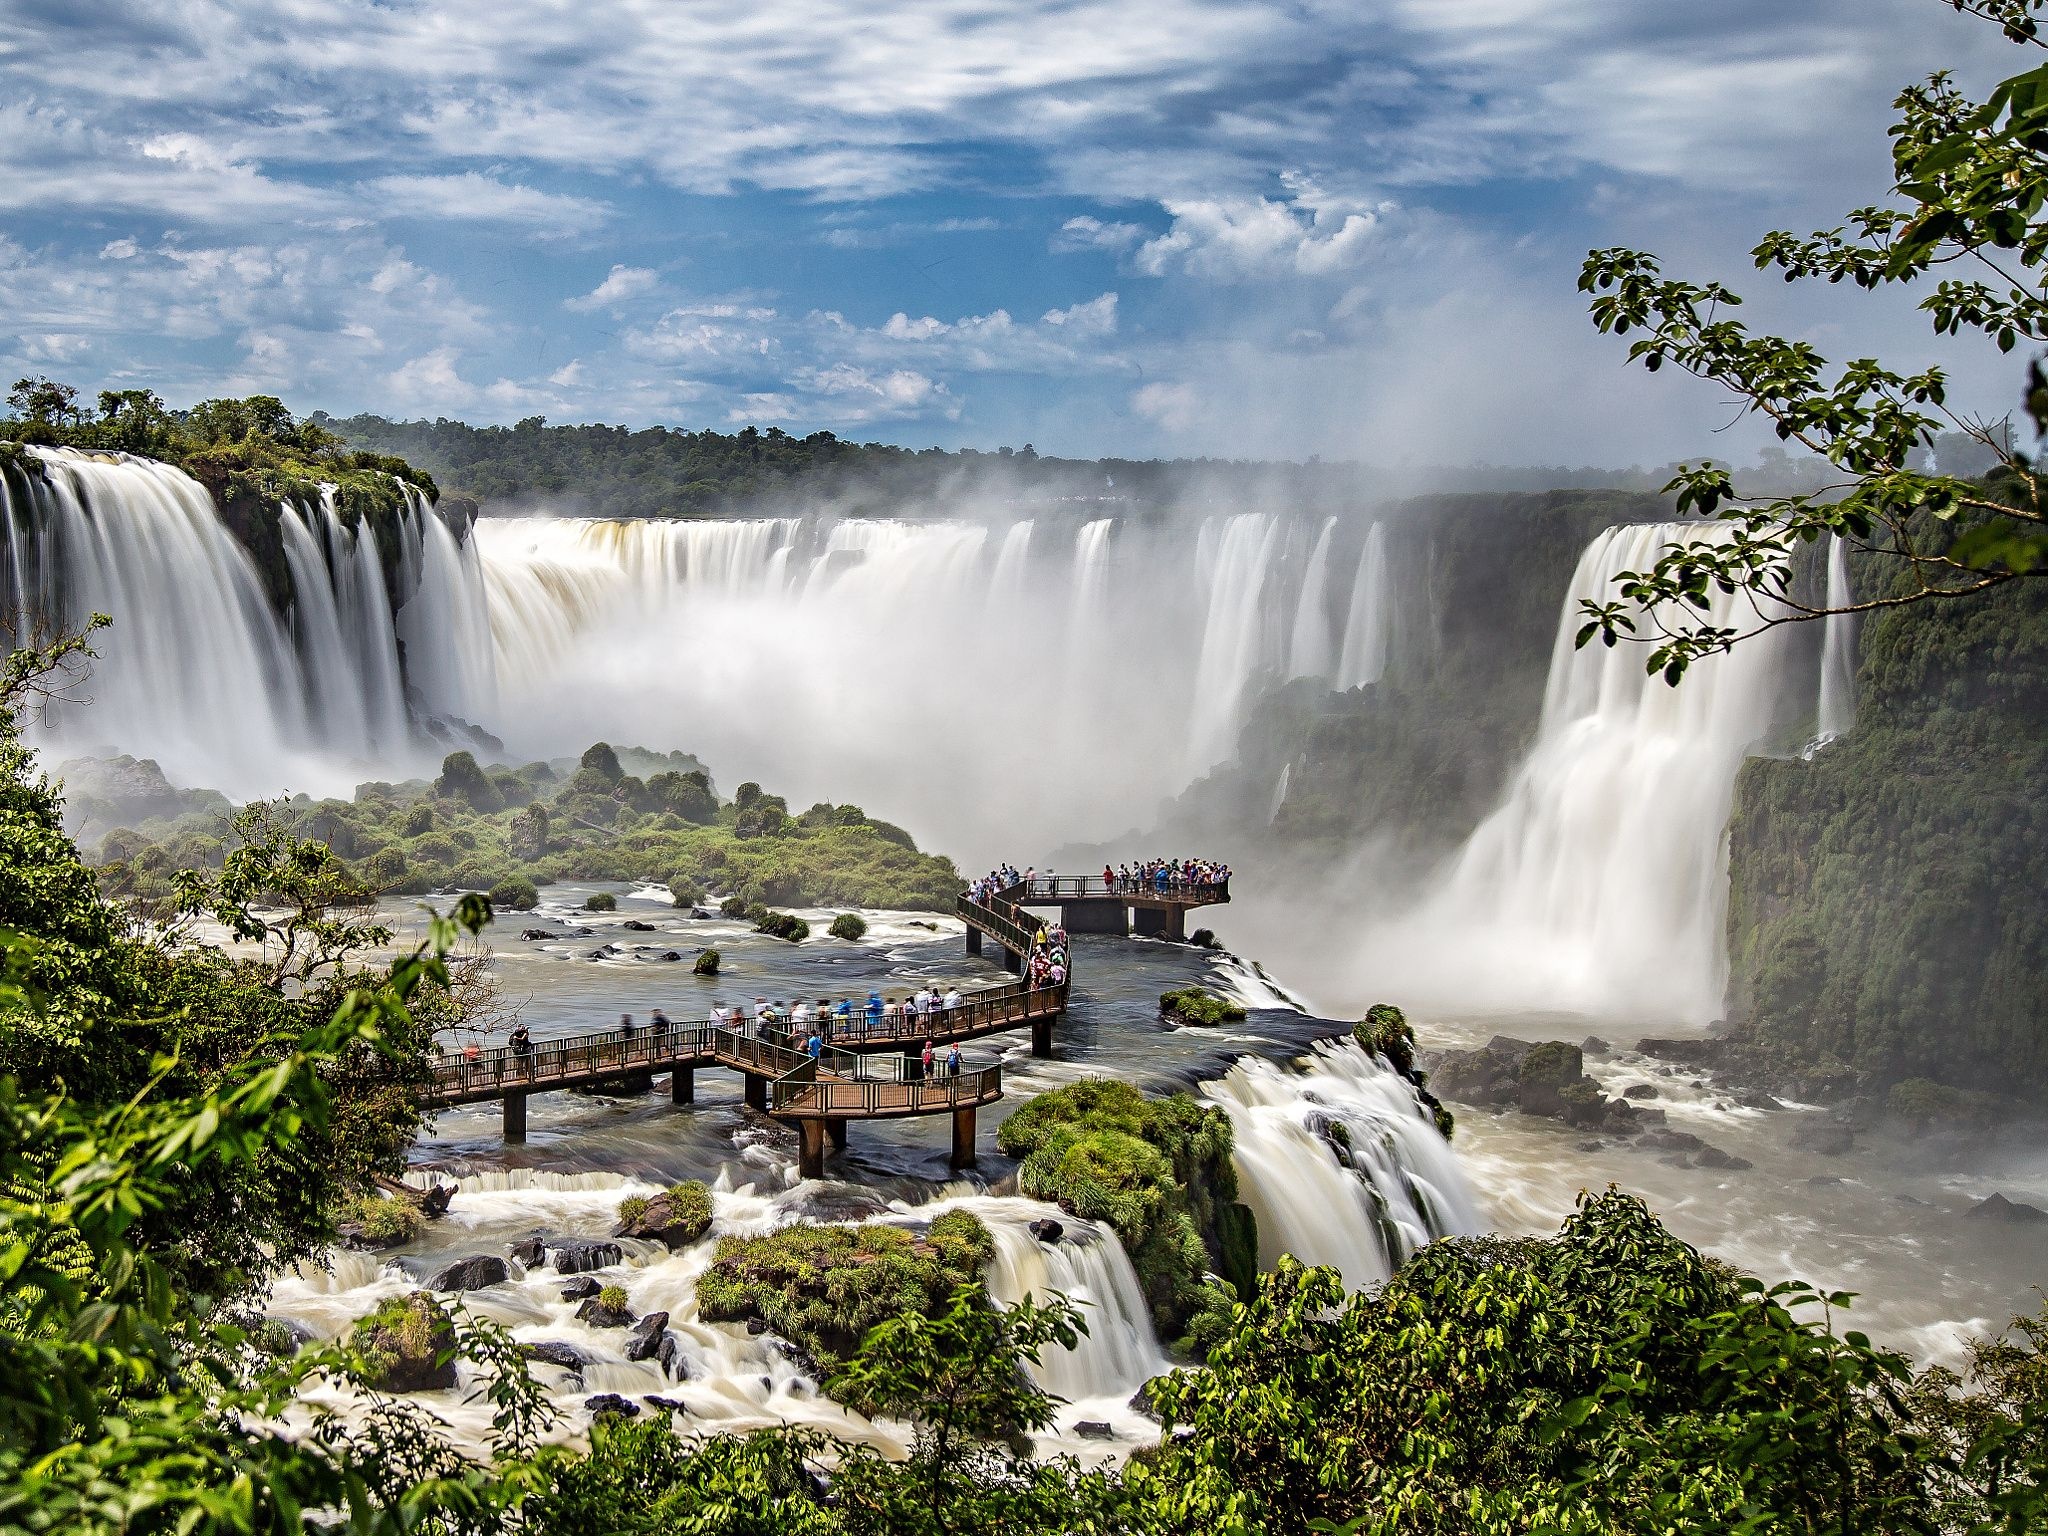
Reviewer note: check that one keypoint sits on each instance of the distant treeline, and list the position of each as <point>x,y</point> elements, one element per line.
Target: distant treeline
<point>668,471</point>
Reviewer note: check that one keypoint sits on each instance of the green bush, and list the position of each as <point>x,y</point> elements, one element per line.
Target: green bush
<point>418,820</point>
<point>733,906</point>
<point>707,964</point>
<point>632,1208</point>
<point>383,1222</point>
<point>849,926</point>
<point>601,901</point>
<point>612,1298</point>
<point>823,1287</point>
<point>684,893</point>
<point>782,925</point>
<point>386,867</point>
<point>1194,1005</point>
<point>1385,1031</point>
<point>515,893</point>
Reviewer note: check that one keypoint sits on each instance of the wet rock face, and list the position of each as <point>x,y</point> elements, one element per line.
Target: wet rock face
<point>554,1352</point>
<point>409,1343</point>
<point>645,1341</point>
<point>582,1288</point>
<point>471,1274</point>
<point>610,1402</point>
<point>530,1252</point>
<point>580,1255</point>
<point>1046,1230</point>
<point>1998,1208</point>
<point>598,1315</point>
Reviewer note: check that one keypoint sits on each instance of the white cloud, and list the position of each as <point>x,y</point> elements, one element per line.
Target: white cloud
<point>1097,317</point>
<point>1247,239</point>
<point>620,284</point>
<point>1176,407</point>
<point>1088,233</point>
<point>474,197</point>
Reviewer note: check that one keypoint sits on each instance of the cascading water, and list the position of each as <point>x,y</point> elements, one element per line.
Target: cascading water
<point>1233,562</point>
<point>1599,884</point>
<point>1370,623</point>
<point>1340,1162</point>
<point>445,625</point>
<point>1837,712</point>
<point>1309,650</point>
<point>197,671</point>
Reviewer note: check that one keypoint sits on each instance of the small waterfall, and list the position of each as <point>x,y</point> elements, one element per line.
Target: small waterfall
<point>1089,1267</point>
<point>1837,650</point>
<point>1370,624</point>
<point>1599,884</point>
<point>1341,1163</point>
<point>1279,793</point>
<point>445,624</point>
<point>1234,564</point>
<point>1309,651</point>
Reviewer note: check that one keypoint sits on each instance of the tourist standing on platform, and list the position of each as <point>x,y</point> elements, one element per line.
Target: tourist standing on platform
<point>924,1061</point>
<point>953,1063</point>
<point>952,999</point>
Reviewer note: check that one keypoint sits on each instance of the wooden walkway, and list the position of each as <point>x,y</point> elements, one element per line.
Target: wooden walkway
<point>868,1069</point>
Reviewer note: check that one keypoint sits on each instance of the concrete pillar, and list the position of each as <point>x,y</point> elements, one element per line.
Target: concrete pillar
<point>1013,962</point>
<point>973,939</point>
<point>1096,916</point>
<point>757,1092</point>
<point>1150,921</point>
<point>515,1117</point>
<point>1177,924</point>
<point>836,1129</point>
<point>963,1137</point>
<point>682,1086</point>
<point>811,1158</point>
<point>1041,1035</point>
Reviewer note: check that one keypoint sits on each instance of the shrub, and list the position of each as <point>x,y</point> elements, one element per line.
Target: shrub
<point>632,1208</point>
<point>461,779</point>
<point>783,925</point>
<point>1385,1031</point>
<point>690,1202</point>
<point>601,901</point>
<point>849,926</point>
<point>733,906</point>
<point>823,1287</point>
<point>707,964</point>
<point>418,820</point>
<point>387,867</point>
<point>515,893</point>
<point>684,893</point>
<point>1194,1005</point>
<point>612,1299</point>
<point>381,1221</point>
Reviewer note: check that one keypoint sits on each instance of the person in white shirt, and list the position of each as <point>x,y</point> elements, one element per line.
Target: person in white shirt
<point>800,1014</point>
<point>923,1000</point>
<point>952,999</point>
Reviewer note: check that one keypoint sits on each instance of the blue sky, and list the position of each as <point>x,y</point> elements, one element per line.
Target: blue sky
<point>1102,226</point>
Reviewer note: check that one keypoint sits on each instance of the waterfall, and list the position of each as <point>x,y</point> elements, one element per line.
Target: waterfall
<point>1370,624</point>
<point>1340,1162</point>
<point>1837,711</point>
<point>1309,651</point>
<point>1599,883</point>
<point>1234,562</point>
<point>445,624</point>
<point>1279,793</point>
<point>197,670</point>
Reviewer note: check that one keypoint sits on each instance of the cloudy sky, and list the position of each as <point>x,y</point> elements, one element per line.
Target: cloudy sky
<point>1345,227</point>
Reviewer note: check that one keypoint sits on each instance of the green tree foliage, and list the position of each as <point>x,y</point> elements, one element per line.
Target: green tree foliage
<point>850,926</point>
<point>1966,214</point>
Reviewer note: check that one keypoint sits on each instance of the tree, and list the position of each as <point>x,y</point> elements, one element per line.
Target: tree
<point>44,401</point>
<point>1969,205</point>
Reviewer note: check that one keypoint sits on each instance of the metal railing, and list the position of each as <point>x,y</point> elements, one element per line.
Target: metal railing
<point>1069,887</point>
<point>819,1093</point>
<point>770,1050</point>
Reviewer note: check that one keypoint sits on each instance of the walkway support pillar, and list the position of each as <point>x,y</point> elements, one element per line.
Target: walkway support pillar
<point>1013,962</point>
<point>836,1129</point>
<point>515,1117</point>
<point>682,1086</point>
<point>973,939</point>
<point>1041,1035</point>
<point>963,1137</point>
<point>811,1159</point>
<point>757,1092</point>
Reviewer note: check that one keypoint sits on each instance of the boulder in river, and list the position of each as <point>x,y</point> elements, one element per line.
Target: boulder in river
<point>1046,1230</point>
<point>582,1288</point>
<point>676,1218</point>
<point>531,1252</point>
<point>634,925</point>
<point>470,1274</point>
<point>1640,1091</point>
<point>1094,1429</point>
<point>1996,1207</point>
<point>555,1352</point>
<point>535,935</point>
<point>610,1402</point>
<point>580,1255</point>
<point>1830,1138</point>
<point>675,1365</point>
<point>607,1309</point>
<point>409,1343</point>
<point>644,1342</point>
<point>1714,1157</point>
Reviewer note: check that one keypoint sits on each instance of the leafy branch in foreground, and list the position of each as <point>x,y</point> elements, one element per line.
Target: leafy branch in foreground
<point>1970,194</point>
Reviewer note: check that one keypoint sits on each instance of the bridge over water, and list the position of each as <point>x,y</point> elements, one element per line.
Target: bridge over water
<point>867,1070</point>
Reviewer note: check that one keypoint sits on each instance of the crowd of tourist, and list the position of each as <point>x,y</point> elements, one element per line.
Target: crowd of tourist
<point>1047,966</point>
<point>1161,877</point>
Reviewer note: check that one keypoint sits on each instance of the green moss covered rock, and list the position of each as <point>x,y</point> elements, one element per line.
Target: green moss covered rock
<point>407,1344</point>
<point>677,1217</point>
<point>1199,1007</point>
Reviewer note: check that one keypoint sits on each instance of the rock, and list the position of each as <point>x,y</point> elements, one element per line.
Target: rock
<point>1484,1076</point>
<point>1507,1045</point>
<point>1672,1141</point>
<point>675,1365</point>
<point>1753,1099</point>
<point>598,1315</point>
<point>554,1352</point>
<point>634,925</point>
<point>702,914</point>
<point>581,1289</point>
<point>610,1402</point>
<point>535,935</point>
<point>1998,1208</point>
<point>676,1218</point>
<point>1693,1053</point>
<point>470,1274</point>
<point>1046,1230</point>
<point>580,1255</point>
<point>1593,1045</point>
<point>1590,1146</point>
<point>756,1327</point>
<point>664,1404</point>
<point>644,1342</point>
<point>532,1252</point>
<point>1141,1402</point>
<point>1094,1429</point>
<point>1714,1157</point>
<point>1546,1071</point>
<point>1640,1091</point>
<point>671,954</point>
<point>280,1336</point>
<point>411,1342</point>
<point>1830,1138</point>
